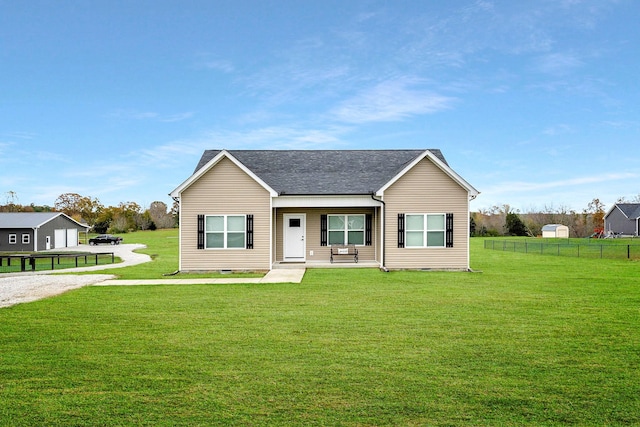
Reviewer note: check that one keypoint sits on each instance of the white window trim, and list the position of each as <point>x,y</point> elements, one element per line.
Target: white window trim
<point>26,238</point>
<point>225,231</point>
<point>346,228</point>
<point>425,231</point>
<point>13,239</point>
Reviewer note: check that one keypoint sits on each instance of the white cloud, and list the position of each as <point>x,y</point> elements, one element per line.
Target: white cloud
<point>507,187</point>
<point>391,100</point>
<point>219,65</point>
<point>277,137</point>
<point>149,115</point>
<point>558,63</point>
<point>556,130</point>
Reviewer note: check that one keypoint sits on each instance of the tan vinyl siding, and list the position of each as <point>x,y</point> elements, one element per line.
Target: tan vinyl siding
<point>225,190</point>
<point>312,237</point>
<point>427,189</point>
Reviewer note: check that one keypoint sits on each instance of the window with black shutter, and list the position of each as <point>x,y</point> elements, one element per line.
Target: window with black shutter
<point>449,230</point>
<point>401,230</point>
<point>200,231</point>
<point>323,230</point>
<point>249,231</point>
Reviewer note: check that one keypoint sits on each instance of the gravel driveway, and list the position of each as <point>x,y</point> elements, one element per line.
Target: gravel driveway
<point>16,288</point>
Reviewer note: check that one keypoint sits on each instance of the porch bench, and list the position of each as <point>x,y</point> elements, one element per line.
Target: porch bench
<point>344,250</point>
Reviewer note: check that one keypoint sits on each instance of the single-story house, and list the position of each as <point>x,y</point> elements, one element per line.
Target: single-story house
<point>37,231</point>
<point>555,230</point>
<point>256,209</point>
<point>624,219</point>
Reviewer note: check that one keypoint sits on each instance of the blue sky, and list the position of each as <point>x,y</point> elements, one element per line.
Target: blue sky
<point>535,103</point>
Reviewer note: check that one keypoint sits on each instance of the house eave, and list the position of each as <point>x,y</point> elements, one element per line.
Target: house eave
<point>324,200</point>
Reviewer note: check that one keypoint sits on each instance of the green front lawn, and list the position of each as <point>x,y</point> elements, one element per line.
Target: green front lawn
<point>532,340</point>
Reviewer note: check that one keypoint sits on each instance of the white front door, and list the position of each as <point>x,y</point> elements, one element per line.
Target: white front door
<point>294,233</point>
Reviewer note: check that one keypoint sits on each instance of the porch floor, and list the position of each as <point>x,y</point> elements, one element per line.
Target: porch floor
<point>326,264</point>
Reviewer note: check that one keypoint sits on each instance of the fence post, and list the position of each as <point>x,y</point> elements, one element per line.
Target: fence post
<point>628,251</point>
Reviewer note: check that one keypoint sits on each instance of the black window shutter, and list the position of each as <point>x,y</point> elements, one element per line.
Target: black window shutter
<point>449,230</point>
<point>323,230</point>
<point>249,231</point>
<point>401,230</point>
<point>200,231</point>
<point>367,229</point>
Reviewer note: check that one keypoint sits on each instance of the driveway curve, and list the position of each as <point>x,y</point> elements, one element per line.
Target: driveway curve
<point>16,288</point>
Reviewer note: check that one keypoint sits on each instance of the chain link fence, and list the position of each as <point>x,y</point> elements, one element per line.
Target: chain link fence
<point>569,248</point>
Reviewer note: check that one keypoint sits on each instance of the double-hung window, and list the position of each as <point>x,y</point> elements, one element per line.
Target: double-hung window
<point>346,229</point>
<point>13,239</point>
<point>425,230</point>
<point>225,231</point>
<point>26,239</point>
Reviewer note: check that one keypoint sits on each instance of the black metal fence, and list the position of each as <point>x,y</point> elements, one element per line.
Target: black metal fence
<point>569,248</point>
<point>40,262</point>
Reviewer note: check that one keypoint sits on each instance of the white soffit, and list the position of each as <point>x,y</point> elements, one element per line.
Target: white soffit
<point>324,201</point>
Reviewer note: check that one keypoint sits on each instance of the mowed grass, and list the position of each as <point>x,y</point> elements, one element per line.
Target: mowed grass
<point>531,340</point>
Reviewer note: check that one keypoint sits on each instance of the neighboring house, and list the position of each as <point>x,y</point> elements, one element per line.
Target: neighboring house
<point>37,231</point>
<point>623,218</point>
<point>253,209</point>
<point>555,230</point>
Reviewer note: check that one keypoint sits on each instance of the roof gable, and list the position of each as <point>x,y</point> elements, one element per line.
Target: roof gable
<point>209,162</point>
<point>325,172</point>
<point>630,210</point>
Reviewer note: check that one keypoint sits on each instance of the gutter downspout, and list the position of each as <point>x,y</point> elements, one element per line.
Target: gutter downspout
<point>382,220</point>
<point>179,201</point>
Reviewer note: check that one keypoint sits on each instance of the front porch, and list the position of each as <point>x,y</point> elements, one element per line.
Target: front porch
<point>325,264</point>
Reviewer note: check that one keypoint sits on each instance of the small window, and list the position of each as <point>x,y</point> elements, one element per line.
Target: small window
<point>13,239</point>
<point>225,231</point>
<point>294,222</point>
<point>346,229</point>
<point>425,230</point>
<point>26,239</point>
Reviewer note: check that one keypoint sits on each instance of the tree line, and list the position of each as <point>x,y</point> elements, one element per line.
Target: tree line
<point>500,220</point>
<point>505,221</point>
<point>127,216</point>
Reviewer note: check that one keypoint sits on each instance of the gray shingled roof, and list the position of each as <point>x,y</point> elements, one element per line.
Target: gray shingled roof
<point>630,210</point>
<point>318,172</point>
<point>25,219</point>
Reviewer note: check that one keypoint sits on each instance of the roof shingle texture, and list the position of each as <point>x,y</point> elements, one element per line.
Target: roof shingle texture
<point>25,219</point>
<point>323,172</point>
<point>631,210</point>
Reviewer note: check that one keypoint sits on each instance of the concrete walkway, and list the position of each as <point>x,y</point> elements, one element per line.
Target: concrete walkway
<point>129,257</point>
<point>273,276</point>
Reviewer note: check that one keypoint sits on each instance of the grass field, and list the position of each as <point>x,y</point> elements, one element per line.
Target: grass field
<point>531,340</point>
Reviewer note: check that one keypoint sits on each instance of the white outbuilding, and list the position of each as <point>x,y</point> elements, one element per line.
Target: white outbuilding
<point>555,230</point>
